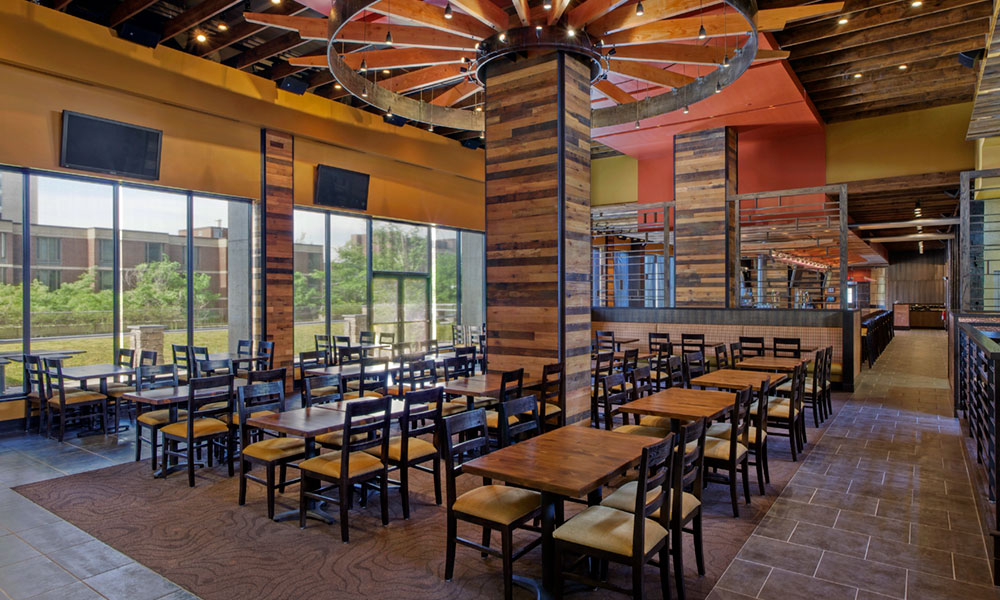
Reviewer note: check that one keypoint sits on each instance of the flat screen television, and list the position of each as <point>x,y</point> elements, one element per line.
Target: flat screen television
<point>104,146</point>
<point>340,188</point>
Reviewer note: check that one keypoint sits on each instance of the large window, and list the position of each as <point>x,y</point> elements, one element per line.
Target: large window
<point>445,282</point>
<point>11,309</point>
<point>309,278</point>
<point>348,275</point>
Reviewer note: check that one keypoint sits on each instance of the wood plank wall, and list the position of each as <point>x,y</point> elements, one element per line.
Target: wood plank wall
<point>914,278</point>
<point>524,212</point>
<point>705,233</point>
<point>274,305</point>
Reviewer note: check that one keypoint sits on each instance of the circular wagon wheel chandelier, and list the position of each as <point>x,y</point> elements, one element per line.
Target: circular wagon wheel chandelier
<point>471,43</point>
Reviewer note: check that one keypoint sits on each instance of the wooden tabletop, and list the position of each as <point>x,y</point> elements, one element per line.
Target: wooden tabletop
<point>396,407</point>
<point>302,422</point>
<point>481,385</point>
<point>19,357</point>
<point>736,379</point>
<point>569,461</point>
<point>172,395</point>
<point>235,357</point>
<point>95,371</point>
<point>769,363</point>
<point>349,370</point>
<point>681,403</point>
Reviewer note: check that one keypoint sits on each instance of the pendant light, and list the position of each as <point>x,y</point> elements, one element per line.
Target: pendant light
<point>447,11</point>
<point>639,10</point>
<point>686,110</point>
<point>388,38</point>
<point>364,66</point>
<point>388,23</point>
<point>702,34</point>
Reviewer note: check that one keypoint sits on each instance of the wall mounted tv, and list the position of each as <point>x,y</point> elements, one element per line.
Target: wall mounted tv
<point>104,146</point>
<point>341,188</point>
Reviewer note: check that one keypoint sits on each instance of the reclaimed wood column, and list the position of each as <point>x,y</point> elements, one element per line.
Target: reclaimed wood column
<point>538,219</point>
<point>273,320</point>
<point>704,223</point>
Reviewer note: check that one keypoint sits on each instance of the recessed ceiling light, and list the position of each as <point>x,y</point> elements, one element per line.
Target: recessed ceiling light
<point>547,5</point>
<point>223,27</point>
<point>571,32</point>
<point>337,86</point>
<point>538,27</point>
<point>385,71</point>
<point>201,37</point>
<point>275,1</point>
<point>503,37</point>
<point>479,108</point>
<point>842,21</point>
<point>857,75</point>
<point>903,67</point>
<point>916,3</point>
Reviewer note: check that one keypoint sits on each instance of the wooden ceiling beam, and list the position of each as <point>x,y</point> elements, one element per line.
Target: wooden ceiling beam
<point>589,10</point>
<point>270,48</point>
<point>284,69</point>
<point>956,21</point>
<point>320,78</point>
<point>688,54</point>
<point>417,12</point>
<point>914,96</point>
<point>894,106</point>
<point>308,28</point>
<point>486,12</point>
<point>938,180</point>
<point>194,16</point>
<point>240,31</point>
<point>613,92</point>
<point>866,19</point>
<point>687,28</point>
<point>456,94</point>
<point>649,73</point>
<point>126,10</point>
<point>886,54</point>
<point>523,11</point>
<point>397,58</point>
<point>414,80</point>
<point>624,17</point>
<point>558,8</point>
<point>60,4</point>
<point>951,76</point>
<point>887,74</point>
<point>405,36</point>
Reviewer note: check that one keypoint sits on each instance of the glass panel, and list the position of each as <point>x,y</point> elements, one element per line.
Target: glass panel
<point>385,306</point>
<point>69,309</point>
<point>473,272</point>
<point>348,275</point>
<point>445,282</point>
<point>221,239</point>
<point>415,316</point>
<point>154,285</point>
<point>400,248</point>
<point>11,315</point>
<point>309,278</point>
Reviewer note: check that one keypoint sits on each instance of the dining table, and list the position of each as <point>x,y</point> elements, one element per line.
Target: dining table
<point>736,379</point>
<point>102,373</point>
<point>19,356</point>
<point>769,363</point>
<point>682,404</point>
<point>236,357</point>
<point>563,463</point>
<point>487,384</point>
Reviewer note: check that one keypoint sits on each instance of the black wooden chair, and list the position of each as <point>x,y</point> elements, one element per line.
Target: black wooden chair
<point>205,428</point>
<point>151,377</point>
<point>552,397</point>
<point>732,454</point>
<point>752,346</point>
<point>67,402</point>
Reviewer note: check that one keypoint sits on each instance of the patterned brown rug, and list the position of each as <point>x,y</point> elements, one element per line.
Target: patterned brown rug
<point>202,540</point>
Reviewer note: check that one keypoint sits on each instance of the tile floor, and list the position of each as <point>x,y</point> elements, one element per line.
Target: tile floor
<point>883,507</point>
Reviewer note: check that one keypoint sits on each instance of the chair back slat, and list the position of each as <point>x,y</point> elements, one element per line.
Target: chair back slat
<point>736,351</point>
<point>511,384</point>
<point>366,425</point>
<point>244,347</point>
<point>469,428</point>
<point>692,342</point>
<point>614,395</point>
<point>604,341</point>
<point>266,376</point>
<point>783,347</point>
<point>630,361</point>
<point>374,375</point>
<point>694,366</point>
<point>151,377</point>
<point>147,357</point>
<point>180,356</point>
<point>456,367</point>
<point>721,356</point>
<point>526,409</point>
<point>222,389</point>
<point>752,346</point>
<point>421,412</point>
<point>207,368</point>
<point>313,359</point>
<point>642,382</point>
<point>418,374</point>
<point>315,382</point>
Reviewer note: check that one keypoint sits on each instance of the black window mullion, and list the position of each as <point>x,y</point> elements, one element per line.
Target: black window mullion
<point>189,268</point>
<point>25,270</point>
<point>116,263</point>
<point>368,276</point>
<point>328,274</point>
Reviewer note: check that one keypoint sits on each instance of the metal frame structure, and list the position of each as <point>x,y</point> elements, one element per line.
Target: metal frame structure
<point>632,221</point>
<point>972,265</point>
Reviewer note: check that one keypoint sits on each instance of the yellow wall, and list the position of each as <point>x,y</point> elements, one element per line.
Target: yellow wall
<point>920,141</point>
<point>211,116</point>
<point>614,180</point>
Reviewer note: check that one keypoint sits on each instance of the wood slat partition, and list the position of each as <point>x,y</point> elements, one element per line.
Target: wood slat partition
<point>275,311</point>
<point>538,219</point>
<point>705,232</point>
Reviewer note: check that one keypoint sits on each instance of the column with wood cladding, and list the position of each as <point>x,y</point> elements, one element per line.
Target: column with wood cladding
<point>704,223</point>
<point>273,308</point>
<point>538,218</point>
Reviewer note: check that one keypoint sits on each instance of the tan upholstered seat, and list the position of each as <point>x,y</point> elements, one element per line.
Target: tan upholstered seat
<point>493,419</point>
<point>418,448</point>
<point>618,388</point>
<point>657,422</point>
<point>399,390</point>
<point>259,413</point>
<point>624,499</point>
<point>642,430</point>
<point>787,387</point>
<point>77,397</point>
<point>221,405</point>
<point>722,431</point>
<point>719,449</point>
<point>367,394</point>
<point>334,438</point>
<point>327,390</point>
<point>498,503</point>
<point>550,409</point>
<point>608,529</point>
<point>203,427</point>
<point>116,389</point>
<point>451,408</point>
<point>155,418</point>
<point>273,449</point>
<point>779,410</point>
<point>358,464</point>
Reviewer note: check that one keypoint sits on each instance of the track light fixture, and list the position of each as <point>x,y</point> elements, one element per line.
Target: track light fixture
<point>447,11</point>
<point>639,10</point>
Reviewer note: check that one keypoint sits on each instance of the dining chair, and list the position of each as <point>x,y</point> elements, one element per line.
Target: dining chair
<point>630,537</point>
<point>721,357</point>
<point>115,389</point>
<point>785,414</point>
<point>197,354</point>
<point>511,386</point>
<point>321,389</point>
<point>813,389</point>
<point>180,357</point>
<point>642,386</point>
<point>783,347</point>
<point>469,352</point>
<point>37,397</point>
<point>827,381</point>
<point>603,366</point>
<point>389,338</point>
<point>490,506</point>
<point>414,375</point>
<point>322,342</point>
<point>266,376</point>
<point>732,454</point>
<point>312,359</point>
<point>62,400</point>
<point>756,433</point>
<point>204,427</point>
<point>348,355</point>
<point>552,397</point>
<point>612,402</point>
<point>517,419</point>
<point>151,377</point>
<point>656,337</point>
<point>274,451</point>
<point>266,352</point>
<point>659,364</point>
<point>244,347</point>
<point>604,341</point>
<point>694,366</point>
<point>372,380</point>
<point>366,426</point>
<point>693,342</point>
<point>736,351</point>
<point>457,336</point>
<point>752,346</point>
<point>366,337</point>
<point>421,417</point>
<point>207,368</point>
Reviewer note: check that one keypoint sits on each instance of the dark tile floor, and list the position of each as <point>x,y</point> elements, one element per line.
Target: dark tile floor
<point>883,507</point>
<point>43,557</point>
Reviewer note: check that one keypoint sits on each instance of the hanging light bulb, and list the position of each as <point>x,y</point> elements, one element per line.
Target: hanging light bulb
<point>702,34</point>
<point>638,9</point>
<point>201,37</point>
<point>547,5</point>
<point>388,38</point>
<point>337,86</point>
<point>718,88</point>
<point>725,61</point>
<point>686,110</point>
<point>388,112</point>
<point>637,124</point>
<point>447,11</point>
<point>364,66</point>
<point>571,32</point>
<point>430,128</point>
<point>364,92</point>
<point>482,134</point>
<point>503,37</point>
